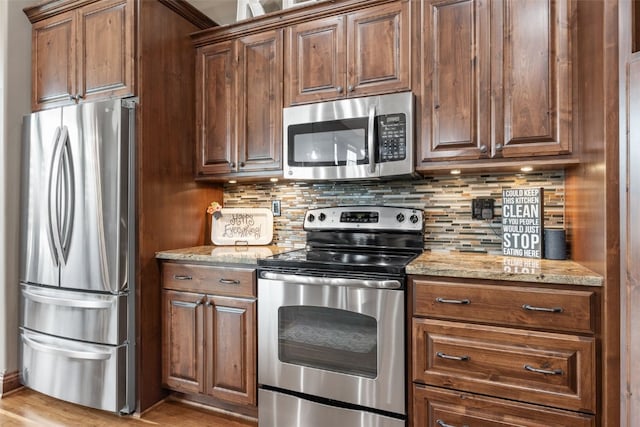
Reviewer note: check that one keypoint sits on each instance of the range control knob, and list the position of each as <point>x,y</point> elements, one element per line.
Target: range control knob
<point>400,217</point>
<point>322,217</point>
<point>414,218</point>
<point>311,218</point>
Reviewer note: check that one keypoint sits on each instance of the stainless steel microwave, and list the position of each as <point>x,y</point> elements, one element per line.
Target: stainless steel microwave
<point>358,138</point>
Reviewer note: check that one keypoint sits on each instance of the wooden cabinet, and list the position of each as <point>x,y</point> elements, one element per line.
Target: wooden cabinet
<point>239,108</point>
<point>182,339</point>
<point>495,80</point>
<point>360,53</point>
<point>83,54</point>
<point>532,344</point>
<point>440,407</point>
<point>209,331</point>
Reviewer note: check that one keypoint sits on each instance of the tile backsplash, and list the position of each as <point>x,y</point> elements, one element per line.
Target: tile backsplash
<point>445,200</point>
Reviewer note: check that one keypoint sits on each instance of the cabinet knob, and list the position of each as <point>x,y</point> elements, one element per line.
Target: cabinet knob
<point>232,165</point>
<point>483,148</point>
<point>498,147</point>
<point>339,89</point>
<point>241,164</point>
<point>350,88</point>
<point>198,303</point>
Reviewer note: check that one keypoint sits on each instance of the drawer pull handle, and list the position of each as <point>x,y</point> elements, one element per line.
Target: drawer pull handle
<point>545,309</point>
<point>229,281</point>
<point>543,371</point>
<point>442,355</point>
<point>453,301</point>
<point>181,277</point>
<point>443,424</point>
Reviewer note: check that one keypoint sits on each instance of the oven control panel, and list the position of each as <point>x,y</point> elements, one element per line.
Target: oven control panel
<point>364,218</point>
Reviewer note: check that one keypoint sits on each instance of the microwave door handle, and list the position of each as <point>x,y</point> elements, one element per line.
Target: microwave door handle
<point>371,139</point>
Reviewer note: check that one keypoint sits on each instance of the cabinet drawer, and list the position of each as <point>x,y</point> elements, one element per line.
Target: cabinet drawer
<point>238,282</point>
<point>435,407</point>
<point>553,309</point>
<point>538,367</point>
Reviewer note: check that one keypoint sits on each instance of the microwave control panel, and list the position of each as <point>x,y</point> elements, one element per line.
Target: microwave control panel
<point>392,137</point>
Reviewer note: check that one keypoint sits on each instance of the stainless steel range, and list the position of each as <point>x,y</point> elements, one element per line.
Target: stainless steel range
<point>331,320</point>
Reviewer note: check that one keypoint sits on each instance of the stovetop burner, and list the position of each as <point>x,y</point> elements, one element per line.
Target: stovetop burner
<point>341,260</point>
<point>375,239</point>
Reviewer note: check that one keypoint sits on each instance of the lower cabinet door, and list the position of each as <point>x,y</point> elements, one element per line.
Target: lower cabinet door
<point>434,407</point>
<point>230,341</point>
<point>182,341</point>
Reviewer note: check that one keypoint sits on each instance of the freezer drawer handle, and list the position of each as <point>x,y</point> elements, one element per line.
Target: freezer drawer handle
<point>543,371</point>
<point>182,277</point>
<point>64,302</point>
<point>86,355</point>
<point>545,309</point>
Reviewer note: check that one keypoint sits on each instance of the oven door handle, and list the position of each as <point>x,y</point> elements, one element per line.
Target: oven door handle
<point>332,281</point>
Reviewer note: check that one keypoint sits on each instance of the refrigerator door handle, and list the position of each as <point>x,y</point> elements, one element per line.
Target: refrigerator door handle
<point>51,206</point>
<point>70,354</point>
<point>68,197</point>
<point>66,302</point>
<point>55,195</point>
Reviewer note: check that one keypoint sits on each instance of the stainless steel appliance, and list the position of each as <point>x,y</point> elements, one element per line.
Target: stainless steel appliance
<point>76,272</point>
<point>331,320</point>
<point>368,137</point>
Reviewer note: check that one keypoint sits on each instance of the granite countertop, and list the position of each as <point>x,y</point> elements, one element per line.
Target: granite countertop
<point>494,267</point>
<point>222,254</point>
<point>455,265</point>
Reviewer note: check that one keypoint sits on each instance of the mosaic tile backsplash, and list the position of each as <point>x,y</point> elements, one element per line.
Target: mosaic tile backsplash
<point>445,200</point>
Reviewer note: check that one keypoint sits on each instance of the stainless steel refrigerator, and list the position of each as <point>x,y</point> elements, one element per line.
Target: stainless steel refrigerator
<point>77,334</point>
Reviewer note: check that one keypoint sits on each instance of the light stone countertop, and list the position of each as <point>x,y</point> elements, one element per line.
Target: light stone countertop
<point>455,265</point>
<point>495,267</point>
<point>222,254</point>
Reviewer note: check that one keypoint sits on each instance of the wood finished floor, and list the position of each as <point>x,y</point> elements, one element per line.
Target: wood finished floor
<point>28,408</point>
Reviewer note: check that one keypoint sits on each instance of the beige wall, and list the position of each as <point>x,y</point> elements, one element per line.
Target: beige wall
<point>15,87</point>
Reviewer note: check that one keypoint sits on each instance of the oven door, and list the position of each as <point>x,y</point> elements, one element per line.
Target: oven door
<point>345,343</point>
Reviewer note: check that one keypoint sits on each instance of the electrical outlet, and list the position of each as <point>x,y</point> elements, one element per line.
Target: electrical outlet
<point>482,208</point>
<point>275,207</point>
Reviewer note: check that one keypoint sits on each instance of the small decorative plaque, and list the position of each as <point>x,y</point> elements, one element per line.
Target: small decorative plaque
<point>522,222</point>
<point>242,226</point>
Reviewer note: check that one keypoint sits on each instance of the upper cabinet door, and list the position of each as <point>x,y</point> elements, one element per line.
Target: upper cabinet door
<point>316,60</point>
<point>106,49</point>
<point>534,108</point>
<point>455,80</point>
<point>215,109</point>
<point>260,102</point>
<point>84,54</point>
<point>378,50</point>
<point>366,52</point>
<point>53,63</point>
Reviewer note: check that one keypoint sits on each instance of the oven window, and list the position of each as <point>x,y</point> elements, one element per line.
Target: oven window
<point>330,339</point>
<point>332,143</point>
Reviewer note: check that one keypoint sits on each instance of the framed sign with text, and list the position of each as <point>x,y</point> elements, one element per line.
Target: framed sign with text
<point>522,222</point>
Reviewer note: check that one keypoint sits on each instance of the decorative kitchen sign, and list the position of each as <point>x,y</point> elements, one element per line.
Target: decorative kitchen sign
<point>242,226</point>
<point>522,222</point>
